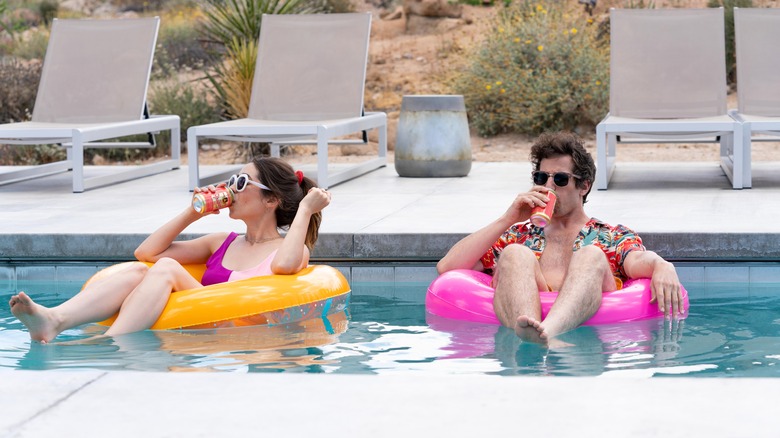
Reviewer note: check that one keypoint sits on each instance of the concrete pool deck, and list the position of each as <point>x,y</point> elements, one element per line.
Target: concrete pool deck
<point>685,211</point>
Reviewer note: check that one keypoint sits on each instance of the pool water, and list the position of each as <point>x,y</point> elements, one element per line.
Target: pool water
<point>729,332</point>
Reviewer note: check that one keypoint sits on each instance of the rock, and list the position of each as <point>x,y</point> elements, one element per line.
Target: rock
<point>431,9</point>
<point>392,15</point>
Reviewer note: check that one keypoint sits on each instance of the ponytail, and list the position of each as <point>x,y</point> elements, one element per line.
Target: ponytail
<point>312,233</point>
<point>289,187</point>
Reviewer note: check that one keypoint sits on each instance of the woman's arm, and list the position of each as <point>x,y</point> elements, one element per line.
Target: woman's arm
<point>293,255</point>
<point>161,243</point>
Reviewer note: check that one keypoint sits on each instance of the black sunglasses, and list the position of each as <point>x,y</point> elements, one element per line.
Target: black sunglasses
<point>560,179</point>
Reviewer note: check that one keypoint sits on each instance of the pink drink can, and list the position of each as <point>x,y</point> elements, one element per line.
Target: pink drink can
<point>541,216</point>
<point>205,202</point>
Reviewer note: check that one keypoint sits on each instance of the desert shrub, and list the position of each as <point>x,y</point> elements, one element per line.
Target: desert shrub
<point>339,6</point>
<point>48,10</point>
<point>179,44</point>
<point>31,155</point>
<point>18,89</point>
<point>540,68</point>
<point>728,12</point>
<point>33,45</point>
<point>185,99</point>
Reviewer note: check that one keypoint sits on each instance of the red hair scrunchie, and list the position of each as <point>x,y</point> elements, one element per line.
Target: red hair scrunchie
<point>299,174</point>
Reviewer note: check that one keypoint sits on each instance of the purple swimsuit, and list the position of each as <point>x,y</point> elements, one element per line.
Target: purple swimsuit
<point>216,273</point>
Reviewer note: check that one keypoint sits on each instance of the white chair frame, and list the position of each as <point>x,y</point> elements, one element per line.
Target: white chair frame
<point>77,132</point>
<point>268,124</point>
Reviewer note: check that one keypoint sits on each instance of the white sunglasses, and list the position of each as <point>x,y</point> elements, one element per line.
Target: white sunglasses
<point>240,181</point>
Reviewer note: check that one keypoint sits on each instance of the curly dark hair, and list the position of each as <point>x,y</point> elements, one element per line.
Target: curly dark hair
<point>555,144</point>
<point>281,178</point>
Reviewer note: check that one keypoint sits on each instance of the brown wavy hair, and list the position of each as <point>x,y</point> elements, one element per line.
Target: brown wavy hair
<point>281,178</point>
<point>555,144</point>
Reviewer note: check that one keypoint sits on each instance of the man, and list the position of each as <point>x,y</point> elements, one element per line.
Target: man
<point>579,256</point>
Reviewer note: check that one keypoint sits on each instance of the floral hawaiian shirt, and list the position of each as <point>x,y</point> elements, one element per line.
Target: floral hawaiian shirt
<point>616,242</point>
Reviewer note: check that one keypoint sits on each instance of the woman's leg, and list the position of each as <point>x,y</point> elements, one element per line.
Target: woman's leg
<point>146,302</point>
<point>99,300</point>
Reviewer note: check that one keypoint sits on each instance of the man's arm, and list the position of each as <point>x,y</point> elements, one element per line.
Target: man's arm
<point>467,253</point>
<point>665,285</point>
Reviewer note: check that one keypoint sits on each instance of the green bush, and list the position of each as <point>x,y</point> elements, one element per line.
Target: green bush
<point>540,68</point>
<point>178,44</point>
<point>184,99</point>
<point>728,12</point>
<point>48,10</point>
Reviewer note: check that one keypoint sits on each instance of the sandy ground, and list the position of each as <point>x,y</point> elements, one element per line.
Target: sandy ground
<point>418,60</point>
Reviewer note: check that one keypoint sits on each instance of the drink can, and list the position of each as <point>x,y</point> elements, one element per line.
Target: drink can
<point>541,216</point>
<point>207,202</point>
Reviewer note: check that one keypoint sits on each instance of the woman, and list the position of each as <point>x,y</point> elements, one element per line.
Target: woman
<point>269,196</point>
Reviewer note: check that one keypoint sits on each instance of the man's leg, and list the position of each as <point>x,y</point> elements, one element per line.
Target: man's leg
<point>517,280</point>
<point>580,296</point>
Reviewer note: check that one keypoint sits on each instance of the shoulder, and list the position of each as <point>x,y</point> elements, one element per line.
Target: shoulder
<point>602,226</point>
<point>215,240</point>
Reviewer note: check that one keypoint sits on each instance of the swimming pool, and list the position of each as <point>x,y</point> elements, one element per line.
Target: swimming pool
<point>733,330</point>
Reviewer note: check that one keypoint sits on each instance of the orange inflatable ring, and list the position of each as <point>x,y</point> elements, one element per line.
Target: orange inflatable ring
<point>316,291</point>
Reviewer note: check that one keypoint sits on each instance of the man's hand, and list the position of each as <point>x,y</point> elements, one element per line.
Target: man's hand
<point>524,203</point>
<point>665,287</point>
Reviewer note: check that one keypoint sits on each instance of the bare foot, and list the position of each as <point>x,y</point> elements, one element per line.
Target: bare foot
<point>39,320</point>
<point>530,330</point>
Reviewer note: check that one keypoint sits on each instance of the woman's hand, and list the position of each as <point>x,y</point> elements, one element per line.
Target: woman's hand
<point>316,200</point>
<point>208,190</point>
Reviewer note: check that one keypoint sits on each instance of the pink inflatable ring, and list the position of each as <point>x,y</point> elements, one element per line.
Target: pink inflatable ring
<point>466,295</point>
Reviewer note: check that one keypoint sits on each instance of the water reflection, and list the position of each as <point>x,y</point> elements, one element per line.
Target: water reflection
<point>588,350</point>
<point>257,348</point>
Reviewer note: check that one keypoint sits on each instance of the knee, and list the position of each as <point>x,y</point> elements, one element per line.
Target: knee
<point>137,270</point>
<point>165,267</point>
<point>516,254</point>
<point>591,255</point>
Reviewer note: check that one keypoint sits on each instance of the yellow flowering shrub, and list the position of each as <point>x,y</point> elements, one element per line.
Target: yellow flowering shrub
<point>542,68</point>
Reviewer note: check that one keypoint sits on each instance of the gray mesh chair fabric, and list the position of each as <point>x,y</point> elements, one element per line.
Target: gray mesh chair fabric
<point>668,84</point>
<point>93,87</point>
<point>308,88</point>
<point>756,33</point>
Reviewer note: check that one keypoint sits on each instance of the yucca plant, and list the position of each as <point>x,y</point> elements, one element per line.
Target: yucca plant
<point>227,20</point>
<point>233,27</point>
<point>232,80</point>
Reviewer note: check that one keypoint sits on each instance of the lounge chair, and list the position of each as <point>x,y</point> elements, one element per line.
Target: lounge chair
<point>92,88</point>
<point>668,85</point>
<point>308,89</point>
<point>756,33</point>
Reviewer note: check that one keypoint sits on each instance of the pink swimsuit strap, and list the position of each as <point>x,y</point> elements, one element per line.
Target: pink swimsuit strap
<point>217,273</point>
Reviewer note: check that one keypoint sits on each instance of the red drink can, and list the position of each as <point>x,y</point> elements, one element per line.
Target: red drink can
<point>206,202</point>
<point>541,216</point>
